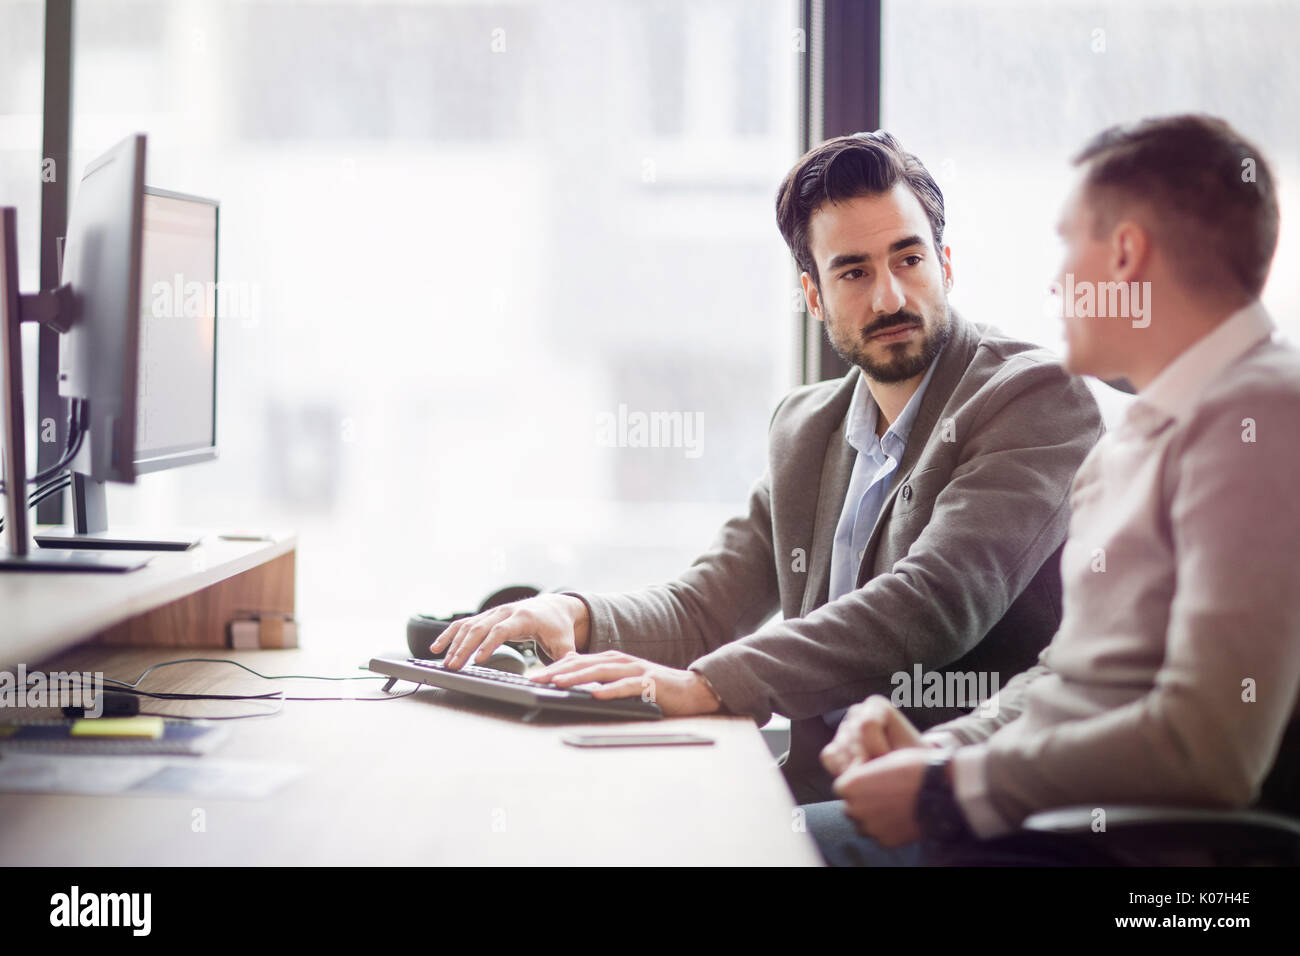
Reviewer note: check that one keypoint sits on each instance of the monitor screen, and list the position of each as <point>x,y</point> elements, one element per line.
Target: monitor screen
<point>176,408</point>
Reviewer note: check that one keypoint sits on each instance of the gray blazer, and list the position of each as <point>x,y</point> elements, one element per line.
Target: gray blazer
<point>961,572</point>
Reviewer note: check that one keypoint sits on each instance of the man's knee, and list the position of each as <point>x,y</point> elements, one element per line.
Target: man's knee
<point>840,844</point>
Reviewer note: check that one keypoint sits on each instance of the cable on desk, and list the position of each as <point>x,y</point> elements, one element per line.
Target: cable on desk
<point>278,710</point>
<point>270,713</point>
<point>276,696</point>
<point>132,687</point>
<point>225,660</point>
<point>177,695</point>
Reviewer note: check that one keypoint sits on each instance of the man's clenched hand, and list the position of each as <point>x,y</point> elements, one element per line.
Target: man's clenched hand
<point>869,730</point>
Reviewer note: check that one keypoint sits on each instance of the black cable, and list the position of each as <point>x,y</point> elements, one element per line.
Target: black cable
<point>132,687</point>
<point>276,695</point>
<point>151,713</point>
<point>176,695</point>
<point>45,491</point>
<point>148,713</point>
<point>78,424</point>
<point>269,713</point>
<point>62,481</point>
<point>225,660</point>
<point>273,695</point>
<point>39,488</point>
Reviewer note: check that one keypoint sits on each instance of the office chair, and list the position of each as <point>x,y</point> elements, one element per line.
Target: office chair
<point>1265,834</point>
<point>1217,837</point>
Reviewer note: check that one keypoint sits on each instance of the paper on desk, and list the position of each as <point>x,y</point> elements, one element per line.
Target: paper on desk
<point>143,776</point>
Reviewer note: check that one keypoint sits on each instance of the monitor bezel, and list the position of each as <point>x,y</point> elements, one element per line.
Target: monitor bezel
<point>162,462</point>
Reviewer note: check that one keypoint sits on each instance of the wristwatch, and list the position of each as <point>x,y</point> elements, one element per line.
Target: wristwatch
<point>937,810</point>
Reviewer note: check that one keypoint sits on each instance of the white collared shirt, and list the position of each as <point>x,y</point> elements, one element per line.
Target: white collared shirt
<point>873,473</point>
<point>1174,391</point>
<point>1161,628</point>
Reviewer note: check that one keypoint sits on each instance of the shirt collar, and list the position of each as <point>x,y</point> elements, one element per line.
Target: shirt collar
<point>860,432</point>
<point>1174,391</point>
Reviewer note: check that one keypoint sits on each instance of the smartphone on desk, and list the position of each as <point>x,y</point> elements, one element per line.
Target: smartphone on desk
<point>637,740</point>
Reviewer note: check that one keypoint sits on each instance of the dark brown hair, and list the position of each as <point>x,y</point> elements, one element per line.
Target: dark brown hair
<point>1209,192</point>
<point>847,167</point>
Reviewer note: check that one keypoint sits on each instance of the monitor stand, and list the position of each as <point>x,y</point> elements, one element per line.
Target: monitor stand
<point>16,554</point>
<point>90,526</point>
<point>80,561</point>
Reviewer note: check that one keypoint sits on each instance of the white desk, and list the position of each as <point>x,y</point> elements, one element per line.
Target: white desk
<point>422,780</point>
<point>43,613</point>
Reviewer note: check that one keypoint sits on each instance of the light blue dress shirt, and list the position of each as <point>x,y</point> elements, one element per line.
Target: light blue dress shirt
<point>873,473</point>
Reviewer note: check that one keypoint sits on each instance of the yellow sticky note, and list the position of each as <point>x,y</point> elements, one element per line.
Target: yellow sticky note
<point>118,727</point>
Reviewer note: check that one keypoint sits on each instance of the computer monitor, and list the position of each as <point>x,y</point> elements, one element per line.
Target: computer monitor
<point>99,353</point>
<point>106,290</point>
<point>137,311</point>
<point>176,398</point>
<point>14,470</point>
<point>172,405</point>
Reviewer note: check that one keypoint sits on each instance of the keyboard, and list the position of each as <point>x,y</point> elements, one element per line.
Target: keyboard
<point>513,689</point>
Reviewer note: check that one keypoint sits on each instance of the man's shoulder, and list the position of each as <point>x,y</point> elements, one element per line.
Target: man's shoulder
<point>1264,381</point>
<point>807,400</point>
<point>998,357</point>
<point>1270,368</point>
<point>1235,446</point>
<point>996,376</point>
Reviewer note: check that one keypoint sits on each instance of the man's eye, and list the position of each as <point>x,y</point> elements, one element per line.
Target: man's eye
<point>911,260</point>
<point>852,274</point>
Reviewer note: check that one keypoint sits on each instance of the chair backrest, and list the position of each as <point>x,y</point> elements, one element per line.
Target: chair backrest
<point>1281,790</point>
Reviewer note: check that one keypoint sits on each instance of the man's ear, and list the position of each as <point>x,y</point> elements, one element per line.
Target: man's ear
<point>812,295</point>
<point>1130,246</point>
<point>945,263</point>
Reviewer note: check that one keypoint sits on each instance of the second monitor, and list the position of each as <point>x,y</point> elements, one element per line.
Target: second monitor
<point>175,392</point>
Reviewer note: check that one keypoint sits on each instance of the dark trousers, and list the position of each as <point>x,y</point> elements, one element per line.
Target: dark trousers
<point>841,845</point>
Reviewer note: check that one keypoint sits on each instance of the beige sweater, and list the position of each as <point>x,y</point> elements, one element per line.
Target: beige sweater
<point>1177,664</point>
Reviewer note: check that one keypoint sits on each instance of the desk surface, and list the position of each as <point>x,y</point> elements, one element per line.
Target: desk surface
<point>46,612</point>
<point>429,779</point>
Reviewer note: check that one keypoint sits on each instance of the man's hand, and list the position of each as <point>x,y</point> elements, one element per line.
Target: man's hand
<point>558,622</point>
<point>678,693</point>
<point>880,796</point>
<point>869,730</point>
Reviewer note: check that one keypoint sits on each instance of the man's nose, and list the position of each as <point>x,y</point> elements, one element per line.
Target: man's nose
<point>889,294</point>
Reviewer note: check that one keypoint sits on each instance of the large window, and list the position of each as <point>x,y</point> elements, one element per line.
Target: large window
<point>996,97</point>
<point>474,242</point>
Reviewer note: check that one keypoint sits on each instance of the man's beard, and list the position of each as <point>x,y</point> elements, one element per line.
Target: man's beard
<point>902,364</point>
